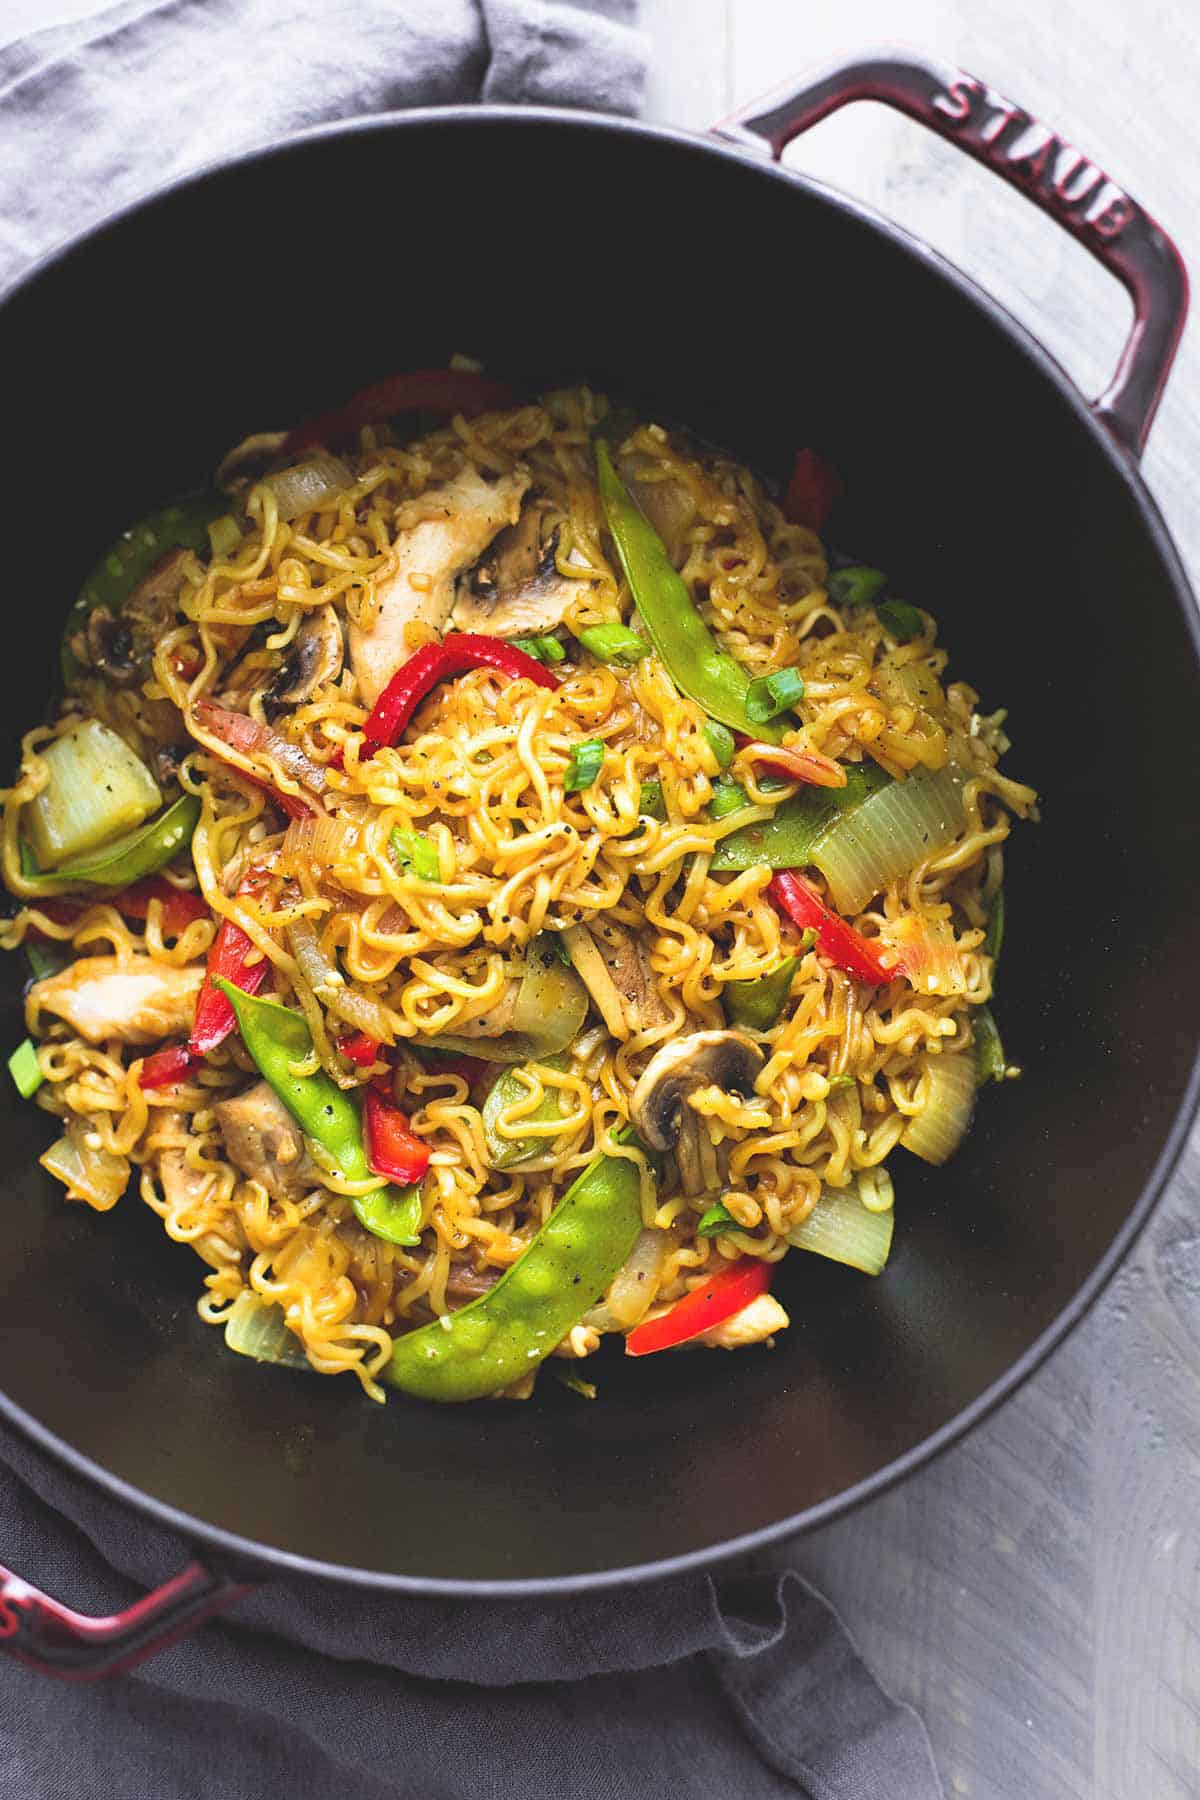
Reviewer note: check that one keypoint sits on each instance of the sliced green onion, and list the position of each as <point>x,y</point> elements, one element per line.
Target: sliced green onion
<point>650,800</point>
<point>506,1091</point>
<point>990,1063</point>
<point>759,1003</point>
<point>838,1082</point>
<point>255,1327</point>
<point>544,648</point>
<point>727,797</point>
<point>993,937</point>
<point>554,942</point>
<point>935,1133</point>
<point>769,695</point>
<point>587,759</point>
<point>415,855</point>
<point>613,643</point>
<point>855,586</point>
<point>900,620</point>
<point>718,1218</point>
<point>889,834</point>
<point>787,839</point>
<point>25,1070</point>
<point>720,742</point>
<point>224,535</point>
<point>97,789</point>
<point>848,1227</point>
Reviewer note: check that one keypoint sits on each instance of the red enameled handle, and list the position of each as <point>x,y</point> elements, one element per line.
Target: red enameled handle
<point>54,1640</point>
<point>1058,178</point>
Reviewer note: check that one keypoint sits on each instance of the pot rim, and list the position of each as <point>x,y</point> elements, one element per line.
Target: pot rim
<point>247,1554</point>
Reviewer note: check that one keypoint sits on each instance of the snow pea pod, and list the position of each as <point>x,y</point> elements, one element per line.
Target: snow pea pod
<point>504,1334</point>
<point>694,659</point>
<point>759,1003</point>
<point>143,851</point>
<point>278,1038</point>
<point>183,525</point>
<point>792,836</point>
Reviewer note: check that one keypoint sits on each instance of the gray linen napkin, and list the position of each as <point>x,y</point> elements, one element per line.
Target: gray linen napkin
<point>737,1686</point>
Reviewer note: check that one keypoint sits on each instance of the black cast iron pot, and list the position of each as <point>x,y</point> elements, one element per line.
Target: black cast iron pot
<point>711,287</point>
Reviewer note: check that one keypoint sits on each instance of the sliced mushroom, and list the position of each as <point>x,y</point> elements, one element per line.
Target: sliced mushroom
<point>454,524</point>
<point>314,660</point>
<point>659,1109</point>
<point>248,460</point>
<point>517,588</point>
<point>108,646</point>
<point>613,966</point>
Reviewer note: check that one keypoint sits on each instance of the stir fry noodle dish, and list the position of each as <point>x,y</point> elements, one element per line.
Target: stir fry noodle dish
<point>496,881</point>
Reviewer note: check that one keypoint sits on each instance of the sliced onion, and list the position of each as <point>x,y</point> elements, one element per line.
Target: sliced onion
<point>96,1176</point>
<point>316,844</point>
<point>935,1133</point>
<point>317,968</point>
<point>889,834</point>
<point>902,682</point>
<point>252,738</point>
<point>254,1327</point>
<point>844,1228</point>
<point>360,1011</point>
<point>309,484</point>
<point>637,1281</point>
<point>551,1002</point>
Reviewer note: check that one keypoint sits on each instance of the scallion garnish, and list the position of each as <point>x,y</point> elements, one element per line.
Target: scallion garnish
<point>25,1070</point>
<point>416,855</point>
<point>545,649</point>
<point>718,1218</point>
<point>720,742</point>
<point>650,800</point>
<point>769,695</point>
<point>587,759</point>
<point>855,586</point>
<point>613,643</point>
<point>900,620</point>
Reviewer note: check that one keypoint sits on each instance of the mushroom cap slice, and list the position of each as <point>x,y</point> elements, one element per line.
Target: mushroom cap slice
<point>313,660</point>
<point>724,1059</point>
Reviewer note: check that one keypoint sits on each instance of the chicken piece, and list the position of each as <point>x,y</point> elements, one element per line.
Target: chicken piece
<point>461,519</point>
<point>133,999</point>
<point>266,1144</point>
<point>761,1319</point>
<point>183,1187</point>
<point>516,588</point>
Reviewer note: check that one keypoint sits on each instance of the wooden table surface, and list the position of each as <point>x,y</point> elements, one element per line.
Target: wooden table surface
<point>1036,1592</point>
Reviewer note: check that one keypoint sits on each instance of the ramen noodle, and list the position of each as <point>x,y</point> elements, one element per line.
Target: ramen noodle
<point>547,924</point>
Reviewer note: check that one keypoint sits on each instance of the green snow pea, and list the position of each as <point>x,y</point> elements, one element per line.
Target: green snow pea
<point>143,851</point>
<point>694,659</point>
<point>759,1003</point>
<point>277,1038</point>
<point>506,1333</point>
<point>789,838</point>
<point>181,526</point>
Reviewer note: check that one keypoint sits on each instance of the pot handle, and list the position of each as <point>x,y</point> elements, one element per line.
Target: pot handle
<point>1052,173</point>
<point>54,1640</point>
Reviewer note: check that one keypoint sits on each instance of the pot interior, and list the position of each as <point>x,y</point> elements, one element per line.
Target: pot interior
<point>766,317</point>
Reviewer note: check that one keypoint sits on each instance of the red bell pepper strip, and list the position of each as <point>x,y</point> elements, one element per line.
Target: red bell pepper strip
<point>393,1147</point>
<point>179,906</point>
<point>358,1048</point>
<point>795,765</point>
<point>421,390</point>
<point>848,948</point>
<point>432,663</point>
<point>811,491</point>
<point>167,1067</point>
<point>724,1293</point>
<point>214,1020</point>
